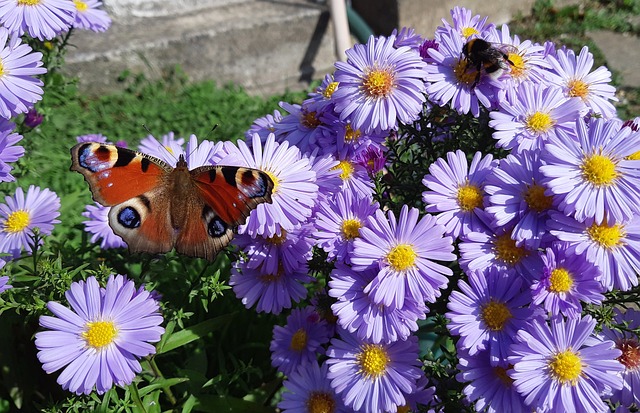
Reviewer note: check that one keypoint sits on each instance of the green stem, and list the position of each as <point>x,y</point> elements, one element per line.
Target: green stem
<point>133,389</point>
<point>167,389</point>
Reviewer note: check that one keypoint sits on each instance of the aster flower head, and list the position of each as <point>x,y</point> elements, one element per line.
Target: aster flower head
<point>308,390</point>
<point>487,385</point>
<point>19,66</point>
<point>295,189</point>
<point>530,113</point>
<point>303,126</point>
<point>456,191</point>
<point>373,378</point>
<point>32,118</point>
<point>299,341</point>
<point>573,74</point>
<point>196,154</point>
<point>566,281</point>
<point>90,16</point>
<point>563,366</point>
<point>9,153</point>
<point>359,314</point>
<point>629,343</point>
<point>338,222</point>
<point>379,85</point>
<point>354,176</point>
<point>42,19</point>
<point>464,24</point>
<point>99,340</point>
<point>372,158</point>
<point>518,199</point>
<point>403,251</point>
<point>21,214</point>
<point>4,283</point>
<point>263,126</point>
<point>613,247</point>
<point>487,311</point>
<point>407,36</point>
<point>166,150</point>
<point>97,224</point>
<point>270,292</point>
<point>320,98</point>
<point>591,173</point>
<point>92,137</point>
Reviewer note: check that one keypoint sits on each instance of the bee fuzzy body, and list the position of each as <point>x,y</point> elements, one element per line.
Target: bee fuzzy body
<point>485,57</point>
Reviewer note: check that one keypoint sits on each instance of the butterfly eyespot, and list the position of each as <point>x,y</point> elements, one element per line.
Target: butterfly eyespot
<point>216,227</point>
<point>129,218</point>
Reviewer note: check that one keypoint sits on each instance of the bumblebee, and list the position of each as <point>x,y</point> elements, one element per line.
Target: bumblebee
<point>486,57</point>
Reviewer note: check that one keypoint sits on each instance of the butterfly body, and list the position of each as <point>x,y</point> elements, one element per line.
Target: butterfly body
<point>155,207</point>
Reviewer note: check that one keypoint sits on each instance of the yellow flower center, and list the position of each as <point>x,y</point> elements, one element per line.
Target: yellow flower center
<point>536,199</point>
<point>100,334</point>
<point>605,235</point>
<point>560,281</point>
<point>351,135</point>
<point>331,87</point>
<point>373,360</point>
<point>501,373</point>
<point>468,31</point>
<point>469,197</point>
<point>402,257</point>
<point>278,239</point>
<point>351,228</point>
<point>633,157</point>
<point>518,69</point>
<point>578,88</point>
<point>464,72</point>
<point>630,353</point>
<point>310,120</point>
<point>28,2</point>
<point>506,250</point>
<point>378,83</point>
<point>320,402</point>
<point>599,170</point>
<point>80,5</point>
<point>273,277</point>
<point>539,122</point>
<point>403,409</point>
<point>2,71</point>
<point>495,315</point>
<point>276,181</point>
<point>347,169</point>
<point>566,367</point>
<point>299,340</point>
<point>17,221</point>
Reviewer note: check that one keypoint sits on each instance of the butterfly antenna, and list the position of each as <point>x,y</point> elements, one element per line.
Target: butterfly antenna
<point>164,148</point>
<point>211,131</point>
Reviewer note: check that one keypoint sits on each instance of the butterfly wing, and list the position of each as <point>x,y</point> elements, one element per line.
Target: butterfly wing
<point>134,185</point>
<point>225,197</point>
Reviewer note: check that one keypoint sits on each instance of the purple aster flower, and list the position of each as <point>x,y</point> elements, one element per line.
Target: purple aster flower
<point>488,386</point>
<point>573,74</point>
<point>97,225</point>
<point>89,16</point>
<point>101,337</point>
<point>19,65</point>
<point>517,198</point>
<point>32,118</point>
<point>359,314</point>
<point>614,248</point>
<point>373,378</point>
<point>590,173</point>
<point>407,36</point>
<point>9,153</point>
<point>530,113</point>
<point>270,292</point>
<point>22,214</point>
<point>629,343</point>
<point>263,127</point>
<point>295,189</point>
<point>355,177</point>
<point>403,252</point>
<point>289,249</point>
<point>320,98</point>
<point>457,191</point>
<point>327,175</point>
<point>308,390</point>
<point>92,137</point>
<point>342,140</point>
<point>464,24</point>
<point>167,150</point>
<point>4,286</point>
<point>302,127</point>
<point>372,158</point>
<point>451,80</point>
<point>299,341</point>
<point>487,312</point>
<point>42,19</point>
<point>564,367</point>
<point>338,222</point>
<point>566,281</point>
<point>379,85</point>
<point>527,60</point>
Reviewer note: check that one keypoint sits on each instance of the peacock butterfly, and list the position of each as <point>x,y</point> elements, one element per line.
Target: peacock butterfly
<point>155,207</point>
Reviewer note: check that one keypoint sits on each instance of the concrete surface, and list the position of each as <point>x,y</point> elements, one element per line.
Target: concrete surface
<point>622,54</point>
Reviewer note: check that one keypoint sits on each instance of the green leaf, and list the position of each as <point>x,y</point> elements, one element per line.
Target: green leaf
<point>195,332</point>
<point>161,383</point>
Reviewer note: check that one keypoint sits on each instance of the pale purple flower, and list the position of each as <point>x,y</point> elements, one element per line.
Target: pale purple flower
<point>90,16</point>
<point>308,390</point>
<point>97,225</point>
<point>42,19</point>
<point>9,153</point>
<point>4,282</point>
<point>464,24</point>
